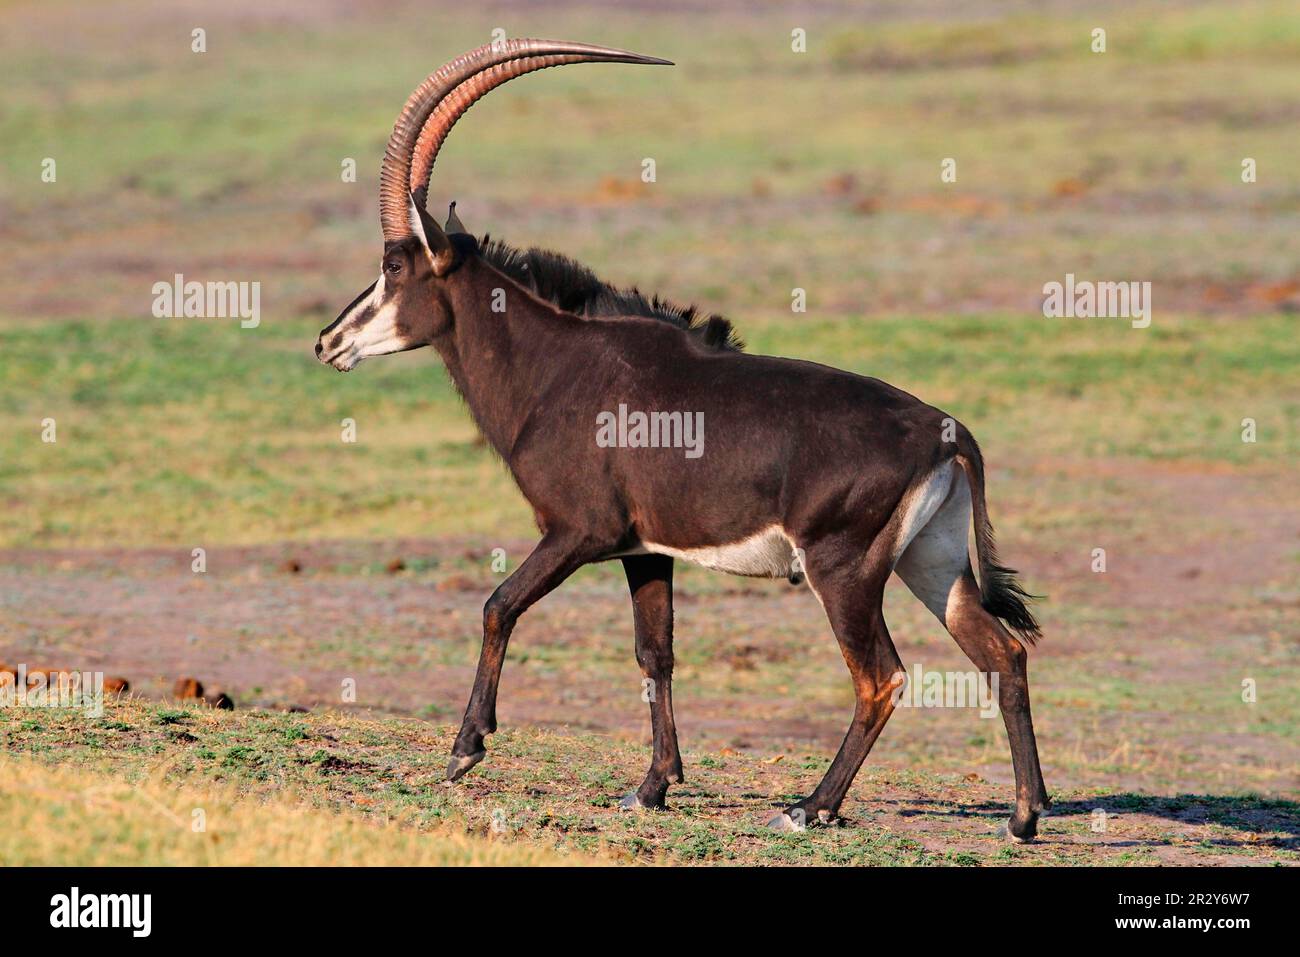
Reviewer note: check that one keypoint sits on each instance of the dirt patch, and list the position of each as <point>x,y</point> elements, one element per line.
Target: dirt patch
<point>1137,683</point>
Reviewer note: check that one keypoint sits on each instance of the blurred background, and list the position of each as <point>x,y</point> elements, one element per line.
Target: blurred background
<point>775,170</point>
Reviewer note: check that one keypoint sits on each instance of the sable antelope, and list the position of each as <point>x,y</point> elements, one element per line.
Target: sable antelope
<point>861,478</point>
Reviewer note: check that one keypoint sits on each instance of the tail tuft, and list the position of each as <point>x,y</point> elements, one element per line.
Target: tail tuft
<point>1004,597</point>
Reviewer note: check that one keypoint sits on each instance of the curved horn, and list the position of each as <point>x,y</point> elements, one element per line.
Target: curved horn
<point>446,94</point>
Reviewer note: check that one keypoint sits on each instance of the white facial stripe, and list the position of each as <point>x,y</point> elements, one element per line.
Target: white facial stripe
<point>376,336</point>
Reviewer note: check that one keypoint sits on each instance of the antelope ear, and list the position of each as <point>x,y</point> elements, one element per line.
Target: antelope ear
<point>442,253</point>
<point>454,225</point>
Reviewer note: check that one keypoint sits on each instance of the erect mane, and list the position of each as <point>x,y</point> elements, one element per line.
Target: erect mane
<point>574,288</point>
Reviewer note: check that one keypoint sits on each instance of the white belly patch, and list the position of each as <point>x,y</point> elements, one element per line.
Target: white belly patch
<point>766,554</point>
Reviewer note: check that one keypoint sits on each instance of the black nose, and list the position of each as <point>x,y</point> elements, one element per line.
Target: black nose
<point>319,348</point>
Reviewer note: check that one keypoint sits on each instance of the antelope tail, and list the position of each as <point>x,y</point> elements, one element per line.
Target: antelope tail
<point>1000,593</point>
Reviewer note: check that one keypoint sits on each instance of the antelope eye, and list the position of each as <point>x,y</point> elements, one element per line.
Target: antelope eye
<point>393,267</point>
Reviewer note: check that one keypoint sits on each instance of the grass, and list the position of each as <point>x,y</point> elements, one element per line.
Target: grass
<point>226,164</point>
<point>188,432</point>
<point>84,817</point>
<point>347,788</point>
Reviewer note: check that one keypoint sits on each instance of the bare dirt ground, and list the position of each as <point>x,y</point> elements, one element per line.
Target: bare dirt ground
<point>1137,682</point>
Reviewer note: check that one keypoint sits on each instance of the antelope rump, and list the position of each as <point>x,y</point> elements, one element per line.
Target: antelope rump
<point>807,472</point>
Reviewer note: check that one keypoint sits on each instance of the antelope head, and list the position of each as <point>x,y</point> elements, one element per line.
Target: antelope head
<point>405,308</point>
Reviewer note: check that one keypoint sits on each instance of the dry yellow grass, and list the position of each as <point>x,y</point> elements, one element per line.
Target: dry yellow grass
<point>84,817</point>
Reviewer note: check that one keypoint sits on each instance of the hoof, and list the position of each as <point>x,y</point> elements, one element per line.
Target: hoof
<point>632,802</point>
<point>1026,838</point>
<point>784,823</point>
<point>457,766</point>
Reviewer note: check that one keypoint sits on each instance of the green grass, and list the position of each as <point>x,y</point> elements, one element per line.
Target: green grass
<point>226,164</point>
<point>176,431</point>
<point>308,95</point>
<point>298,788</point>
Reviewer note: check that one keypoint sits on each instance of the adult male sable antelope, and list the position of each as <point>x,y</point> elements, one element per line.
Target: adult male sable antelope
<point>858,476</point>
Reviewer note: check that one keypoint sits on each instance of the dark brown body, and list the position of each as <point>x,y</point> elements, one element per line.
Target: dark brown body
<point>804,471</point>
<point>535,380</point>
<point>829,457</point>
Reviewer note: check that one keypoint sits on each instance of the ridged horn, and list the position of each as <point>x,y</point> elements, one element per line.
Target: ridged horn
<point>432,110</point>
